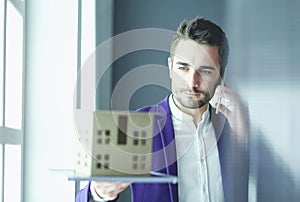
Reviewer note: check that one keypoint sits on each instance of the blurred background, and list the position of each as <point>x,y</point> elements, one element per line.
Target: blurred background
<point>46,47</point>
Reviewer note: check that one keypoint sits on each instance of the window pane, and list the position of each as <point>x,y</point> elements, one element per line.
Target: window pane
<point>87,48</point>
<point>12,175</point>
<point>14,51</point>
<point>1,58</point>
<point>87,29</point>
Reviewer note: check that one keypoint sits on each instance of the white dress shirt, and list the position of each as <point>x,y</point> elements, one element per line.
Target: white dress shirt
<point>199,173</point>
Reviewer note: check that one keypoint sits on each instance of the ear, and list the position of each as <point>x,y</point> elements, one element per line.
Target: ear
<point>170,64</point>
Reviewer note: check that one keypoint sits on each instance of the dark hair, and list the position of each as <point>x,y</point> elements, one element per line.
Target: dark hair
<point>206,32</point>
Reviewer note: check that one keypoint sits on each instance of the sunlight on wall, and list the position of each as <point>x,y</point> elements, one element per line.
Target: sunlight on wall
<point>51,74</point>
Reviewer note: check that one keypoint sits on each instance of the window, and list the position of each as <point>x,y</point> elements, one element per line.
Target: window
<point>11,98</point>
<point>1,59</point>
<point>85,48</point>
<point>13,70</point>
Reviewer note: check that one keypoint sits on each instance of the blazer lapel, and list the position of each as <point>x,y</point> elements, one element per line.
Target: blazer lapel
<point>167,137</point>
<point>233,161</point>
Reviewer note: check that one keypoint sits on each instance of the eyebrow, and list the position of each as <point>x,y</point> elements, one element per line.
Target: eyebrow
<point>207,67</point>
<point>183,63</point>
<point>201,67</point>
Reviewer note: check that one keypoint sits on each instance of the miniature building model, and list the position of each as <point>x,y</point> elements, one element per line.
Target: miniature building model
<point>113,143</point>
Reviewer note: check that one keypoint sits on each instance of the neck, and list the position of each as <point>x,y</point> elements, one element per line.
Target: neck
<point>196,113</point>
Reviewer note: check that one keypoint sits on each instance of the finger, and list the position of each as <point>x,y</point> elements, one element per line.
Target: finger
<point>224,110</point>
<point>102,185</point>
<point>105,187</point>
<point>221,99</point>
<point>124,184</point>
<point>230,95</point>
<point>110,186</point>
<point>112,194</point>
<point>226,90</point>
<point>122,188</point>
<point>228,101</point>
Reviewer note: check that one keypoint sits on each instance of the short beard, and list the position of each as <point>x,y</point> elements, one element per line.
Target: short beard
<point>193,105</point>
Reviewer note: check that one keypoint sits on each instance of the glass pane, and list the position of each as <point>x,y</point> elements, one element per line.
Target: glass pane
<point>14,57</point>
<point>1,59</point>
<point>87,48</point>
<point>87,29</point>
<point>12,175</point>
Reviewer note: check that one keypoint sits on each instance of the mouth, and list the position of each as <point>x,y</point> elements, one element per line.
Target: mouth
<point>192,94</point>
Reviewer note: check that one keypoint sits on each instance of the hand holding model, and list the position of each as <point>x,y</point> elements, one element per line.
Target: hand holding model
<point>108,190</point>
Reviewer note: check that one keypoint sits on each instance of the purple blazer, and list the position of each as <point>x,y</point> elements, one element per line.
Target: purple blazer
<point>234,161</point>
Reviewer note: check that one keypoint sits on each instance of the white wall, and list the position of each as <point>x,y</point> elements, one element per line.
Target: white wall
<point>50,83</point>
<point>264,61</point>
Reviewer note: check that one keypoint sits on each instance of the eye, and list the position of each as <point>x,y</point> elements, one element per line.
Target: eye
<point>205,71</point>
<point>183,68</point>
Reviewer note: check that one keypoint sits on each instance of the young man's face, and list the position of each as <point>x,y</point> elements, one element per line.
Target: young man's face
<point>195,73</point>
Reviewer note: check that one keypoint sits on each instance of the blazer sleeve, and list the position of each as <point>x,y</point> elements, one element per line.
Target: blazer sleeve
<point>84,194</point>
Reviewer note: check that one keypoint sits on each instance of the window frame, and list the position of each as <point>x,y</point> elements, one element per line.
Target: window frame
<point>8,135</point>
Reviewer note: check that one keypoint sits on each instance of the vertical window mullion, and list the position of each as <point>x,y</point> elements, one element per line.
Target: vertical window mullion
<point>78,82</point>
<point>23,100</point>
<point>2,171</point>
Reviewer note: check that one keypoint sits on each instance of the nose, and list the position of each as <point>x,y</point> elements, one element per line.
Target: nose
<point>194,78</point>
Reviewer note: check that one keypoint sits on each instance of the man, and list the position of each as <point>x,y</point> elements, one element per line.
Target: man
<point>205,147</point>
